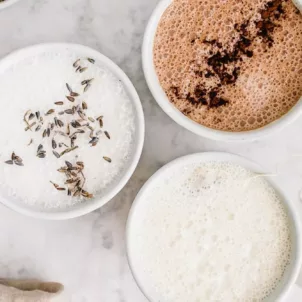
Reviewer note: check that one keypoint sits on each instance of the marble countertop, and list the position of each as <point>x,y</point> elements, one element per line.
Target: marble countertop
<point>88,254</point>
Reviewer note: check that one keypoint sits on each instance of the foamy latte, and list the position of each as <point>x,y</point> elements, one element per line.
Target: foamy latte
<point>231,65</point>
<point>210,232</point>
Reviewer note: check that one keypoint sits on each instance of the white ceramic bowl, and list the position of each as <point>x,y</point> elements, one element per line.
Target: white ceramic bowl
<point>291,273</point>
<point>89,205</point>
<point>7,3</point>
<point>176,115</point>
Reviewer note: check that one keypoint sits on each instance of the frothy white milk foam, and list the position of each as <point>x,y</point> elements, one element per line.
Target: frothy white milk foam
<point>210,232</point>
<point>36,83</point>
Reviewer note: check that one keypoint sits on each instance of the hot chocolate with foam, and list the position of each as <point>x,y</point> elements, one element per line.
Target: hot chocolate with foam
<point>231,65</point>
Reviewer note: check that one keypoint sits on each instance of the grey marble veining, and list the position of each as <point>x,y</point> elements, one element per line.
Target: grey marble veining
<point>88,254</point>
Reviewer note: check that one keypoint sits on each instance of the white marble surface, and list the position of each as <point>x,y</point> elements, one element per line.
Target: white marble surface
<point>88,254</point>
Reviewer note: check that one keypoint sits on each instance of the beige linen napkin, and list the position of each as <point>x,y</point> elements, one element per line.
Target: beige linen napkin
<point>29,291</point>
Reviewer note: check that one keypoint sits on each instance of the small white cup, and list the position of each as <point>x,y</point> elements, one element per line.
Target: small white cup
<point>293,269</point>
<point>163,101</point>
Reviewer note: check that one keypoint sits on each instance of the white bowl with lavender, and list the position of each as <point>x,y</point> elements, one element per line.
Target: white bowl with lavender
<point>7,3</point>
<point>72,130</point>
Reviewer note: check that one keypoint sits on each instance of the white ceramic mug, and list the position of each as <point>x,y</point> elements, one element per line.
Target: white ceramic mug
<point>163,101</point>
<point>292,272</point>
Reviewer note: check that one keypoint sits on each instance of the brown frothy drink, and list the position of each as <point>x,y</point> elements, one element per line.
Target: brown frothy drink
<point>231,65</point>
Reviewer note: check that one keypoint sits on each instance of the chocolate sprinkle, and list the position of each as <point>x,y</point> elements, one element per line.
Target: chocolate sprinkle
<point>224,60</point>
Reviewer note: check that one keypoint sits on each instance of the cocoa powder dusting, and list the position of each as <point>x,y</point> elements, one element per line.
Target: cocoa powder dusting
<point>223,62</point>
<point>217,64</point>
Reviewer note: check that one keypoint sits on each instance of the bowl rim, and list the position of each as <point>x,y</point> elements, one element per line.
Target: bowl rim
<point>294,269</point>
<point>7,3</point>
<point>85,208</point>
<point>163,101</point>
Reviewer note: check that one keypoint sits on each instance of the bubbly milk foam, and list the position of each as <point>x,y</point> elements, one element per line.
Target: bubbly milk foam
<point>231,65</point>
<point>210,232</point>
<point>41,81</point>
